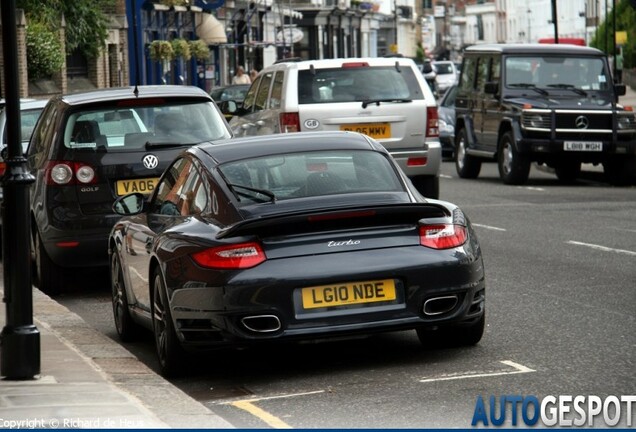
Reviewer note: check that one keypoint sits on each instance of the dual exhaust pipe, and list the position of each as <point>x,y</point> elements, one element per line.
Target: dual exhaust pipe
<point>271,323</point>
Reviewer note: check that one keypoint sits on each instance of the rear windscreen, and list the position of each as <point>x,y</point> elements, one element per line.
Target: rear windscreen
<point>350,84</point>
<point>123,128</point>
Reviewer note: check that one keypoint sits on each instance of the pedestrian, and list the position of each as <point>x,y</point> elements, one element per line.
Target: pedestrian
<point>619,66</point>
<point>253,74</point>
<point>241,77</point>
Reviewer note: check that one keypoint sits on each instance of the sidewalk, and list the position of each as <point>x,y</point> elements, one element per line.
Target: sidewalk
<point>89,381</point>
<point>629,99</point>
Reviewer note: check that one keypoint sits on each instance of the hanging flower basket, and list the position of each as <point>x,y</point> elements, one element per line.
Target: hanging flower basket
<point>160,50</point>
<point>199,50</point>
<point>181,48</point>
<point>175,2</point>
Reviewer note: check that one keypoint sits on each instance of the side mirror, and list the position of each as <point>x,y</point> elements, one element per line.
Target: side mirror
<point>491,87</point>
<point>620,89</point>
<point>228,107</point>
<point>130,204</point>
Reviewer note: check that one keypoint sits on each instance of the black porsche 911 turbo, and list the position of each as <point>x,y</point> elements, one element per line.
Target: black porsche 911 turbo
<point>291,237</point>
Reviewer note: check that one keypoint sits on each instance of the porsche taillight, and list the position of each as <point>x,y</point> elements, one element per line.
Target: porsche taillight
<point>236,256</point>
<point>289,122</point>
<point>66,173</point>
<point>432,122</point>
<point>442,236</point>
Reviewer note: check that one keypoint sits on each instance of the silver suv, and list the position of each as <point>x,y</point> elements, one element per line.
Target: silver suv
<point>384,98</point>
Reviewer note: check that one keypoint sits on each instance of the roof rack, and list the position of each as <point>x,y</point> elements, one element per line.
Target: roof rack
<point>287,60</point>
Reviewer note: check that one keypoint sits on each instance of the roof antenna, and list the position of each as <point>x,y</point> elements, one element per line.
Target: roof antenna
<point>397,66</point>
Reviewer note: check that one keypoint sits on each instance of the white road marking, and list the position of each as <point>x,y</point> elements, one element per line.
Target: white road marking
<point>272,420</point>
<point>445,176</point>
<point>534,188</point>
<point>518,369</point>
<point>602,248</point>
<point>489,227</point>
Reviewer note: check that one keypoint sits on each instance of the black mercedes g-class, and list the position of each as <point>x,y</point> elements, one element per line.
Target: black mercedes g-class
<point>551,104</point>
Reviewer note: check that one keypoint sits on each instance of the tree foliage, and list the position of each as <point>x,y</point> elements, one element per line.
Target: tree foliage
<point>86,21</point>
<point>44,51</point>
<point>625,21</point>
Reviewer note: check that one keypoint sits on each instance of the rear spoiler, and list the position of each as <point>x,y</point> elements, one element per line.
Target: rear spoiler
<point>337,219</point>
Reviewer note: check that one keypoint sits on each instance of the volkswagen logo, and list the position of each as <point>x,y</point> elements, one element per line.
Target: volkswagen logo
<point>150,161</point>
<point>581,122</point>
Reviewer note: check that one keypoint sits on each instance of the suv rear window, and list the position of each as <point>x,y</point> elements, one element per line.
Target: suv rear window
<point>120,128</point>
<point>350,84</point>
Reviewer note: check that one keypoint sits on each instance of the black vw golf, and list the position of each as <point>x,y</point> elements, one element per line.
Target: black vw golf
<point>88,149</point>
<point>287,237</point>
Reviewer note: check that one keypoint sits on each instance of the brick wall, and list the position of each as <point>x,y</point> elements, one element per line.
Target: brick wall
<point>100,70</point>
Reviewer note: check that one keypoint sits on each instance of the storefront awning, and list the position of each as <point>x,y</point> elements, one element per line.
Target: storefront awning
<point>210,30</point>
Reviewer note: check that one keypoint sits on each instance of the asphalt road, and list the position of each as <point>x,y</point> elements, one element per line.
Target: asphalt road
<point>561,295</point>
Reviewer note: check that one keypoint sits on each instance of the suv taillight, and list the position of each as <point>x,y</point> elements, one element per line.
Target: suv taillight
<point>3,168</point>
<point>289,122</point>
<point>68,173</point>
<point>432,122</point>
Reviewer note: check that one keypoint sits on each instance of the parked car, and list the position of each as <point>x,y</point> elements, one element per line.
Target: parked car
<point>30,110</point>
<point>235,92</point>
<point>446,111</point>
<point>385,98</point>
<point>551,104</point>
<point>90,147</point>
<point>428,71</point>
<point>286,237</point>
<point>445,75</point>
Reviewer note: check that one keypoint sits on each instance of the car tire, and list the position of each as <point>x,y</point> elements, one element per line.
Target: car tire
<point>514,168</point>
<point>169,351</point>
<point>453,336</point>
<point>48,276</point>
<point>127,329</point>
<point>467,166</point>
<point>568,172</point>
<point>428,186</point>
<point>619,172</point>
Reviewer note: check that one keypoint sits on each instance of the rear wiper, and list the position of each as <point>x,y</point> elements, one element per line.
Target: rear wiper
<point>269,194</point>
<point>529,86</point>
<point>368,102</point>
<point>151,145</point>
<point>569,87</point>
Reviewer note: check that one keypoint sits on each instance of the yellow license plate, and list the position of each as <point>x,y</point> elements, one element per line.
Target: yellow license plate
<point>348,293</point>
<point>144,186</point>
<point>374,130</point>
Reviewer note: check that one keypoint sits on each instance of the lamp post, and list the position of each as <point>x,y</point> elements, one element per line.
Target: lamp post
<point>395,30</point>
<point>20,352</point>
<point>529,11</point>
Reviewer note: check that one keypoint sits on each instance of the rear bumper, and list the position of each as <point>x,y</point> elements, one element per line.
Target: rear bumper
<point>432,154</point>
<point>249,311</point>
<point>79,247</point>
